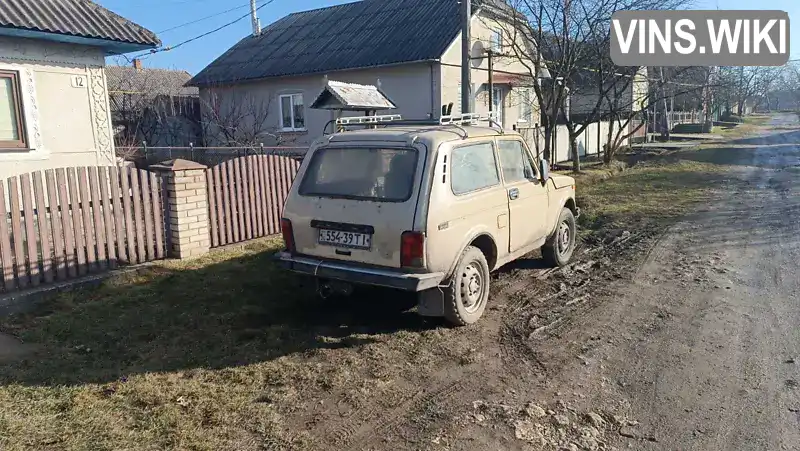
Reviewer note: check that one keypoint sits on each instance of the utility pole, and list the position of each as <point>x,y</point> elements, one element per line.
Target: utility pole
<point>490,54</point>
<point>466,39</point>
<point>254,18</point>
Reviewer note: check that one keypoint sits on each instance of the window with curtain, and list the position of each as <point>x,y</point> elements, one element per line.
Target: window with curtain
<point>292,112</point>
<point>11,124</point>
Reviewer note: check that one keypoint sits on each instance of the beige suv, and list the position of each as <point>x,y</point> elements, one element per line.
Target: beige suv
<point>426,207</point>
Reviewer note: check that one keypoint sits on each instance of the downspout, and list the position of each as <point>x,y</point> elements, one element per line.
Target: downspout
<point>433,93</point>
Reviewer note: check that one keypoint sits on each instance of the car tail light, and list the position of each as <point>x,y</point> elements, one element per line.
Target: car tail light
<point>412,249</point>
<point>288,234</point>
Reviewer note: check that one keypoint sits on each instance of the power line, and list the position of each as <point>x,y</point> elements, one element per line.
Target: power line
<point>173,47</point>
<point>204,18</point>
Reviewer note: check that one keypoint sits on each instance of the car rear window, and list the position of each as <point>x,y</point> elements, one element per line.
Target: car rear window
<point>385,175</point>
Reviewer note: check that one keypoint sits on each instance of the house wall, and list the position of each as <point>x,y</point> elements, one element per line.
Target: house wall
<point>412,87</point>
<point>482,27</point>
<point>641,88</point>
<point>588,144</point>
<point>65,106</point>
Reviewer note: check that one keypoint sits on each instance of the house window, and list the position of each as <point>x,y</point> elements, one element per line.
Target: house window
<point>12,132</point>
<point>292,112</point>
<point>525,105</point>
<point>496,43</point>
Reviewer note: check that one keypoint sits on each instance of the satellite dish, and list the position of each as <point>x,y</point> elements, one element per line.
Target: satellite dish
<point>477,54</point>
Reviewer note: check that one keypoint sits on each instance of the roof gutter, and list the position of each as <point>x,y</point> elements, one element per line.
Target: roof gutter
<point>192,82</point>
<point>111,47</point>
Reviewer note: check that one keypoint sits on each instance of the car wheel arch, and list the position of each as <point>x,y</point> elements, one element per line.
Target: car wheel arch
<point>484,241</point>
<point>567,203</point>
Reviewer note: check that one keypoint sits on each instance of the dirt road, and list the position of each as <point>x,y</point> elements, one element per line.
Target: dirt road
<point>705,343</point>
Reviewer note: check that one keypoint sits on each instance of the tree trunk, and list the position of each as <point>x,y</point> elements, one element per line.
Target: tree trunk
<point>548,140</point>
<point>608,154</point>
<point>576,157</point>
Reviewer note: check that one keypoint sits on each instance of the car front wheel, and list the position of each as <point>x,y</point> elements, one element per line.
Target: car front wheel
<point>560,246</point>
<point>466,297</point>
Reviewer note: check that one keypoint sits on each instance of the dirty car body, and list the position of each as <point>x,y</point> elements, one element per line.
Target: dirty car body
<point>402,206</point>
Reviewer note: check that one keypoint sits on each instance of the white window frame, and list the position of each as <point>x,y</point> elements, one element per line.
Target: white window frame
<point>496,40</point>
<point>499,106</point>
<point>35,150</point>
<point>291,102</point>
<point>525,97</point>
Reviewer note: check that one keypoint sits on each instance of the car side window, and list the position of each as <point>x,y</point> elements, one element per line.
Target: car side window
<point>515,161</point>
<point>473,167</point>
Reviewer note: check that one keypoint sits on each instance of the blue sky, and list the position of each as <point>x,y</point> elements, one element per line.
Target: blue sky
<point>161,15</point>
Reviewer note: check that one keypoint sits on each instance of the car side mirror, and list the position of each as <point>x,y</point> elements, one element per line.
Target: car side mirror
<point>544,170</point>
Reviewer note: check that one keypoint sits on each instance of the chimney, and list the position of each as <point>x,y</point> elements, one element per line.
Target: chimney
<point>137,63</point>
<point>254,18</point>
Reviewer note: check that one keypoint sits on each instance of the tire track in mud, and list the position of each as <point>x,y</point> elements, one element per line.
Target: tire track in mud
<point>444,387</point>
<point>370,426</point>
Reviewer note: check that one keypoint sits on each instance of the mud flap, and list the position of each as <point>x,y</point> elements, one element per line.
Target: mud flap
<point>430,302</point>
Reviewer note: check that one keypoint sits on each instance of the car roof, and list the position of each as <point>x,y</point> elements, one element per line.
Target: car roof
<point>404,133</point>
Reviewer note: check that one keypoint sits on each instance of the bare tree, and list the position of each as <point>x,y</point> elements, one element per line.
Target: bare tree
<point>784,92</point>
<point>571,39</point>
<point>151,105</point>
<point>739,85</point>
<point>238,118</point>
<point>627,114</point>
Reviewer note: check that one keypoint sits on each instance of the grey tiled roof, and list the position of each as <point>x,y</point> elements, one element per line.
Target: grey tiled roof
<point>81,18</point>
<point>363,34</point>
<point>127,79</point>
<point>340,95</point>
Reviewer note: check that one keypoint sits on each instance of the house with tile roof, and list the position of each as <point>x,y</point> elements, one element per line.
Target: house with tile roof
<point>153,106</point>
<point>54,105</point>
<point>410,49</point>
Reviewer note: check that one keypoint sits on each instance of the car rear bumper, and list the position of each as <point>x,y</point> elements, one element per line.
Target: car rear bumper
<point>359,275</point>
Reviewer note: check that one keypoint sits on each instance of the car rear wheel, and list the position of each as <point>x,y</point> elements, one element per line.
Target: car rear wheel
<point>560,246</point>
<point>468,292</point>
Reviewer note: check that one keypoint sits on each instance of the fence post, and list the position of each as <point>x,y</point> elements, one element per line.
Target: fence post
<point>185,208</point>
<point>191,151</point>
<point>144,149</point>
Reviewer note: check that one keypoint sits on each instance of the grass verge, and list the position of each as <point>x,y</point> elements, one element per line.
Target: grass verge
<point>219,353</point>
<point>652,194</point>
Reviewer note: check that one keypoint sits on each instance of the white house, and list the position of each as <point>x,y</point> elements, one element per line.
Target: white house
<point>411,48</point>
<point>54,107</point>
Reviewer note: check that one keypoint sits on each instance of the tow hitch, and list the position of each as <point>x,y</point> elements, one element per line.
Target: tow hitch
<point>329,288</point>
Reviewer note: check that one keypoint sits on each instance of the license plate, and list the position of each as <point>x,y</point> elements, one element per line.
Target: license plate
<point>345,239</point>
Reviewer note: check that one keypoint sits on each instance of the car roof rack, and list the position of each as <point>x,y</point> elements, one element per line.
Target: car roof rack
<point>455,120</point>
<point>366,120</point>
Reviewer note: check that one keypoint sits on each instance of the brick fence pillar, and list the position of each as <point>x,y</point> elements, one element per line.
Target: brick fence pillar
<point>185,208</point>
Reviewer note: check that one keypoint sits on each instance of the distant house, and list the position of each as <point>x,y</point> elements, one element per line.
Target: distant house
<point>621,95</point>
<point>153,106</point>
<point>410,48</point>
<point>54,107</point>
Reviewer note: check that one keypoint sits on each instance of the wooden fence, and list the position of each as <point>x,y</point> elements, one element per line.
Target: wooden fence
<point>246,196</point>
<point>64,223</point>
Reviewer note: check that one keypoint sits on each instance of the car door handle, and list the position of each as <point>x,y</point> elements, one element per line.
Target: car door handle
<point>513,193</point>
